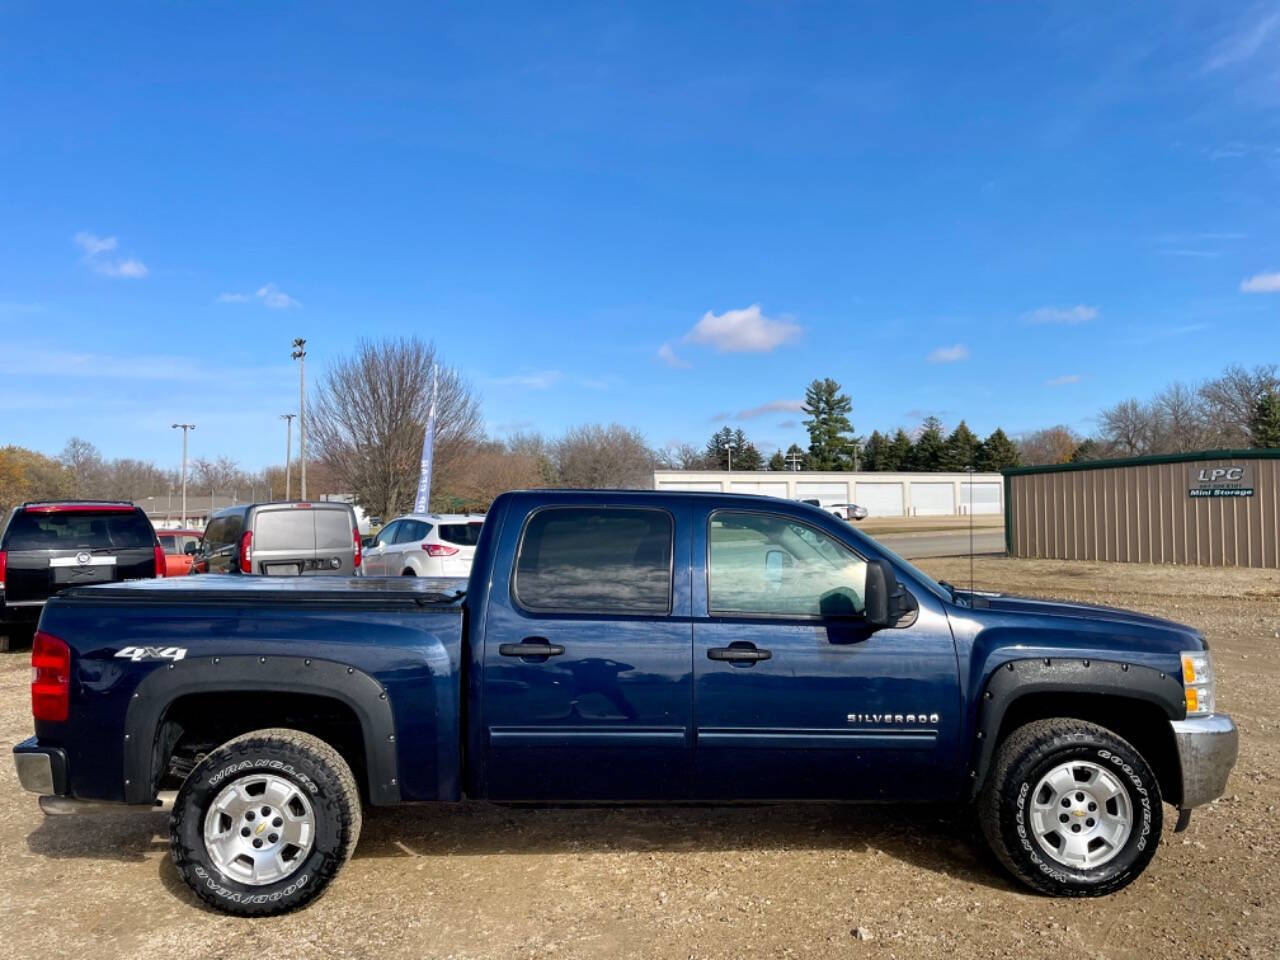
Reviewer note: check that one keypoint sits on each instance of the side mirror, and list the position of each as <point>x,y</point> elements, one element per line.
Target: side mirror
<point>887,600</point>
<point>191,549</point>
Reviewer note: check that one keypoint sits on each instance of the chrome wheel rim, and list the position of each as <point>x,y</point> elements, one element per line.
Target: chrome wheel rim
<point>259,829</point>
<point>1081,814</point>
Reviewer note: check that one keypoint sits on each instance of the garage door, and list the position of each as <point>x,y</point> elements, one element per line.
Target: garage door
<point>933,499</point>
<point>986,497</point>
<point>824,492</point>
<point>768,489</point>
<point>880,499</point>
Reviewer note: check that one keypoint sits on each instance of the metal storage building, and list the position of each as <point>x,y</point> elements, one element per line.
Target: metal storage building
<point>1210,508</point>
<point>883,494</point>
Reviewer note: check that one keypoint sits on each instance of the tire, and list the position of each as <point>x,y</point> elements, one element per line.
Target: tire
<point>408,572</point>
<point>312,785</point>
<point>1022,807</point>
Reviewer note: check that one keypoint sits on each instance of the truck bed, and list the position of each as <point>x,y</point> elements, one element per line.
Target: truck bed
<point>214,588</point>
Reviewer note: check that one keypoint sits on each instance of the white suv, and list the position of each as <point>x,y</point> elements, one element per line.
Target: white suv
<point>424,545</point>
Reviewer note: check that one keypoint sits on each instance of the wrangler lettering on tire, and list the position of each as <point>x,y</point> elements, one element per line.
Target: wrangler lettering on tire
<point>1070,808</point>
<point>264,822</point>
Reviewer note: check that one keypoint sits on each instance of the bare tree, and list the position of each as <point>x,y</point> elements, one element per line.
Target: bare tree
<point>1179,420</point>
<point>222,476</point>
<point>84,462</point>
<point>596,456</point>
<point>685,456</point>
<point>368,415</point>
<point>1231,400</point>
<point>1129,427</point>
<point>1052,445</point>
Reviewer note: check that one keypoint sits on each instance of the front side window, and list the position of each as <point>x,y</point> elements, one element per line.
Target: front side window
<point>223,531</point>
<point>387,534</point>
<point>768,565</point>
<point>607,560</point>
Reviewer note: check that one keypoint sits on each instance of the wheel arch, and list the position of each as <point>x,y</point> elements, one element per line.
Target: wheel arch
<point>1135,702</point>
<point>164,704</point>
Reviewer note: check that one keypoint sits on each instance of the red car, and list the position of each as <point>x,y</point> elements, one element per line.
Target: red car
<point>177,561</point>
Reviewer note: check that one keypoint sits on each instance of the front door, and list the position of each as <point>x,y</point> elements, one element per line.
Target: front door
<point>795,697</point>
<point>587,682</point>
<point>375,557</point>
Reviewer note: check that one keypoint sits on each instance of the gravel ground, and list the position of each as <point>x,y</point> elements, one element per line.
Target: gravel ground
<point>773,881</point>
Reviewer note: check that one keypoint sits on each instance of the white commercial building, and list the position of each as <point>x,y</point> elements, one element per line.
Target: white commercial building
<point>883,494</point>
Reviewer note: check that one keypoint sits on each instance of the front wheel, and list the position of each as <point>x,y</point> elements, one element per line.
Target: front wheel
<point>264,822</point>
<point>1071,809</point>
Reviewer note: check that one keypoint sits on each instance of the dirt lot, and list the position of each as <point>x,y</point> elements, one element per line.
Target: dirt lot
<point>692,882</point>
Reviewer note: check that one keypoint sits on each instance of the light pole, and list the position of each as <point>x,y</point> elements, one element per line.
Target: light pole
<point>729,448</point>
<point>184,427</point>
<point>288,454</point>
<point>300,354</point>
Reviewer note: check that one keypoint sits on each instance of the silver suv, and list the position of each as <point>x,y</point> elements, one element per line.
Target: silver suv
<point>282,540</point>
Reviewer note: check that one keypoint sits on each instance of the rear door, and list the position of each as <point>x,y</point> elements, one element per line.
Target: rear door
<point>335,540</point>
<point>50,548</point>
<point>408,541</point>
<point>463,537</point>
<point>599,707</point>
<point>284,540</point>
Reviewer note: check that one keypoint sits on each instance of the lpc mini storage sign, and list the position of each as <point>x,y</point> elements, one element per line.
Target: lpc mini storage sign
<point>1228,481</point>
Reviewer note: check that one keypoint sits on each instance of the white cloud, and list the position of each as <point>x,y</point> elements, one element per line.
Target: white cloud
<point>1243,45</point>
<point>742,331</point>
<point>1261,283</point>
<point>778,406</point>
<point>949,354</point>
<point>669,357</point>
<point>269,294</point>
<point>1064,315</point>
<point>1063,380</point>
<point>535,380</point>
<point>95,257</point>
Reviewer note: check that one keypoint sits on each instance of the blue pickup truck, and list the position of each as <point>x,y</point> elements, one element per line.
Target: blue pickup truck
<point>619,646</point>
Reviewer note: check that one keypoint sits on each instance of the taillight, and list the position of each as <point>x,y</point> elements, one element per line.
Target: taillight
<point>246,552</point>
<point>356,545</point>
<point>439,550</point>
<point>4,562</point>
<point>50,678</point>
<point>159,560</point>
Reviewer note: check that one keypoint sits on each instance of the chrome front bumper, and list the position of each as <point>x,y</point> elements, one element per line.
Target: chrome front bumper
<point>1207,749</point>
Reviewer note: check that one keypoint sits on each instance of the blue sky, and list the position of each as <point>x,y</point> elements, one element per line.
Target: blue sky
<point>666,215</point>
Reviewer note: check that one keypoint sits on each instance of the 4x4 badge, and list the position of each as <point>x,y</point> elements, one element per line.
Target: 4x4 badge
<point>152,653</point>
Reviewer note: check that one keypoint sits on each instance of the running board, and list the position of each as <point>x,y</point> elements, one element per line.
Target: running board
<point>66,806</point>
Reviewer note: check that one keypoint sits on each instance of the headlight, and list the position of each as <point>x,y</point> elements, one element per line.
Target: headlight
<point>1197,678</point>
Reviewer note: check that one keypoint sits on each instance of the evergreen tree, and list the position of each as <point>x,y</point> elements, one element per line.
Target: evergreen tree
<point>777,462</point>
<point>960,449</point>
<point>901,452</point>
<point>926,453</point>
<point>732,446</point>
<point>831,436</point>
<point>1264,428</point>
<point>1089,449</point>
<point>998,452</point>
<point>875,452</point>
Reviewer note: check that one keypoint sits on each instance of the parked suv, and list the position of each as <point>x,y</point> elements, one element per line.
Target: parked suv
<point>426,545</point>
<point>55,544</point>
<point>282,540</point>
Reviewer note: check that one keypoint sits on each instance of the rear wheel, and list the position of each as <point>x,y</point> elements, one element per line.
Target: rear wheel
<point>408,572</point>
<point>1071,808</point>
<point>264,822</point>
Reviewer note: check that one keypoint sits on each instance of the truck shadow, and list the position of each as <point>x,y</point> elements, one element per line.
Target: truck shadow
<point>938,839</point>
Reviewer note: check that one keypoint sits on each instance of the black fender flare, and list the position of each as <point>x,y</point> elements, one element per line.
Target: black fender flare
<point>269,674</point>
<point>1015,679</point>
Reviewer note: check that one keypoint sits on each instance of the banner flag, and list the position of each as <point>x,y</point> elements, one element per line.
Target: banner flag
<point>421,503</point>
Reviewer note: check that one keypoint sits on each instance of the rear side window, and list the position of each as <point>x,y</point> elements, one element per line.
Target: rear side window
<point>79,531</point>
<point>285,530</point>
<point>411,530</point>
<point>463,534</point>
<point>333,530</point>
<point>610,560</point>
<point>223,531</point>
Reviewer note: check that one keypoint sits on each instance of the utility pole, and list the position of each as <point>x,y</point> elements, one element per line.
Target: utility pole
<point>184,427</point>
<point>300,354</point>
<point>793,461</point>
<point>288,454</point>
